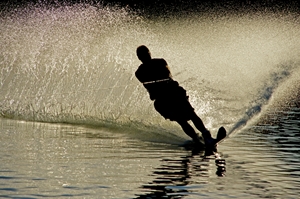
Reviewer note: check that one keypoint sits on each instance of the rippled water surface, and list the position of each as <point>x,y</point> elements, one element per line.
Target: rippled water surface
<point>56,160</point>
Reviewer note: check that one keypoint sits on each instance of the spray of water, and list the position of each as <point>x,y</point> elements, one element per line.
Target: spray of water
<point>76,64</point>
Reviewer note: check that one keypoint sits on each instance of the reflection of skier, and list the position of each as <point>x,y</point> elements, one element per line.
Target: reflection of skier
<point>170,99</point>
<point>181,171</point>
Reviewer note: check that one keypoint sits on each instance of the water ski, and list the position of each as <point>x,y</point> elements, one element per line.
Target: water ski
<point>221,135</point>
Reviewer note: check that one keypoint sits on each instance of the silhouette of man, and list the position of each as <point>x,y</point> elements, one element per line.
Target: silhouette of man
<point>170,99</point>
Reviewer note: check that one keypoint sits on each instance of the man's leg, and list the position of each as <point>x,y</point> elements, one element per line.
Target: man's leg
<point>188,129</point>
<point>200,126</point>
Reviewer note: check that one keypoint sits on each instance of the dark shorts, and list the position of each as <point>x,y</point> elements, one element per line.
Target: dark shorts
<point>175,105</point>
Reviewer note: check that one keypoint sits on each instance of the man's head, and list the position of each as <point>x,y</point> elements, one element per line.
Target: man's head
<point>143,53</point>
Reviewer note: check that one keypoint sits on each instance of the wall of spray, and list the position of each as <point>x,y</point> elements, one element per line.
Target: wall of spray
<point>76,64</point>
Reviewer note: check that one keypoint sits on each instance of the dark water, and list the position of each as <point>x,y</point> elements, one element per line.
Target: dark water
<point>75,122</point>
<point>66,161</point>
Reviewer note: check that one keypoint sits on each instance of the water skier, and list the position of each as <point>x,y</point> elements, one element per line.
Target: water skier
<point>170,99</point>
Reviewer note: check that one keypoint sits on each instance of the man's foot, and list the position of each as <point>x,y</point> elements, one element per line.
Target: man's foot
<point>210,142</point>
<point>198,141</point>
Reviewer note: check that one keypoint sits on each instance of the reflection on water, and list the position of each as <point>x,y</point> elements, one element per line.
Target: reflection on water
<point>68,161</point>
<point>174,176</point>
<point>52,160</point>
